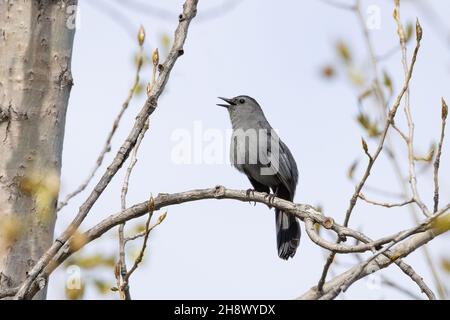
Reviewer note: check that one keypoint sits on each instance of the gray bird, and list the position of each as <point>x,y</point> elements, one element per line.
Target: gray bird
<point>267,162</point>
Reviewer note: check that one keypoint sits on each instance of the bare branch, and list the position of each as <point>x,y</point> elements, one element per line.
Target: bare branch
<point>410,140</point>
<point>8,293</point>
<point>333,287</point>
<point>302,211</point>
<point>368,244</point>
<point>392,284</point>
<point>122,241</point>
<point>400,132</point>
<point>124,289</point>
<point>148,229</point>
<point>377,84</point>
<point>388,122</point>
<point>143,233</point>
<point>399,238</point>
<point>387,282</point>
<point>437,161</point>
<point>386,205</point>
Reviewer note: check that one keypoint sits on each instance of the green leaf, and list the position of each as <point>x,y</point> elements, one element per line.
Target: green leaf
<point>75,293</point>
<point>388,82</point>
<point>93,261</point>
<point>102,286</point>
<point>139,89</point>
<point>446,265</point>
<point>409,31</point>
<point>370,126</point>
<point>352,169</point>
<point>442,224</point>
<point>166,41</point>
<point>344,52</point>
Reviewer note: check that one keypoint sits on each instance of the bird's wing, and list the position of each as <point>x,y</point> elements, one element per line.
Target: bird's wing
<point>288,172</point>
<point>281,160</point>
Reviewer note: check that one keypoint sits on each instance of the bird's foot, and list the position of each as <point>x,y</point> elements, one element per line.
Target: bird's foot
<point>250,193</point>
<point>270,199</point>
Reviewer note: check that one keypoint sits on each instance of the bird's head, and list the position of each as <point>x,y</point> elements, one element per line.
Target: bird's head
<point>240,104</point>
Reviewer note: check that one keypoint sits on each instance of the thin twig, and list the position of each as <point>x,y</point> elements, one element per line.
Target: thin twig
<point>387,282</point>
<point>382,259</point>
<point>392,284</point>
<point>367,245</point>
<point>139,258</point>
<point>420,228</point>
<point>386,205</point>
<point>415,216</point>
<point>122,240</point>
<point>124,289</point>
<point>143,233</point>
<point>377,83</point>
<point>141,253</point>
<point>400,132</point>
<point>407,108</point>
<point>121,267</point>
<point>437,161</point>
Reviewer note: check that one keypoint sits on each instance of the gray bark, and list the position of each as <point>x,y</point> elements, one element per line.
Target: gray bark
<point>36,38</point>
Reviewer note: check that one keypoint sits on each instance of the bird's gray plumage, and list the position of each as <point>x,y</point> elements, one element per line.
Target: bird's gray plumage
<point>253,133</point>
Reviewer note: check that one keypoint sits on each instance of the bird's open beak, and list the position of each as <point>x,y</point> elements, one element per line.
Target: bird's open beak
<point>229,101</point>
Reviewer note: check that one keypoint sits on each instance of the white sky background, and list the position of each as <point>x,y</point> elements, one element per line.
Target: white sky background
<point>273,51</point>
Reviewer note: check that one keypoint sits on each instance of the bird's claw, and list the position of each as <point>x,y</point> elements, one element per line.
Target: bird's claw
<point>270,199</point>
<point>250,193</point>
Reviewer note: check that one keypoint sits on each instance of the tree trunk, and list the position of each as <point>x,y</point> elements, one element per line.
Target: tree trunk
<point>36,38</point>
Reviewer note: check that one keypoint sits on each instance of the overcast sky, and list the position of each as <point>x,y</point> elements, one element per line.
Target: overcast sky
<point>274,52</point>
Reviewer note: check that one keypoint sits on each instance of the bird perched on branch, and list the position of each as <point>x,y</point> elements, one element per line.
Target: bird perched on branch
<point>257,151</point>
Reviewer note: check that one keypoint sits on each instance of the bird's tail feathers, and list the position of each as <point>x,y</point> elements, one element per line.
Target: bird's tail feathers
<point>288,234</point>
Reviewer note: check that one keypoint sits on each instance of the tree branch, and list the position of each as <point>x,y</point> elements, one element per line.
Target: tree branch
<point>437,161</point>
<point>410,140</point>
<point>386,205</point>
<point>333,287</point>
<point>302,211</point>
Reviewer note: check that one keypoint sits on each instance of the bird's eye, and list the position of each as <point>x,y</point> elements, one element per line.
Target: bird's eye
<point>241,101</point>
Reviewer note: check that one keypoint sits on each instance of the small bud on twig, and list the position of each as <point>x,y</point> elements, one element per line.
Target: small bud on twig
<point>364,144</point>
<point>151,204</point>
<point>162,217</point>
<point>444,110</point>
<point>366,149</point>
<point>396,13</point>
<point>419,31</point>
<point>141,36</point>
<point>155,57</point>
